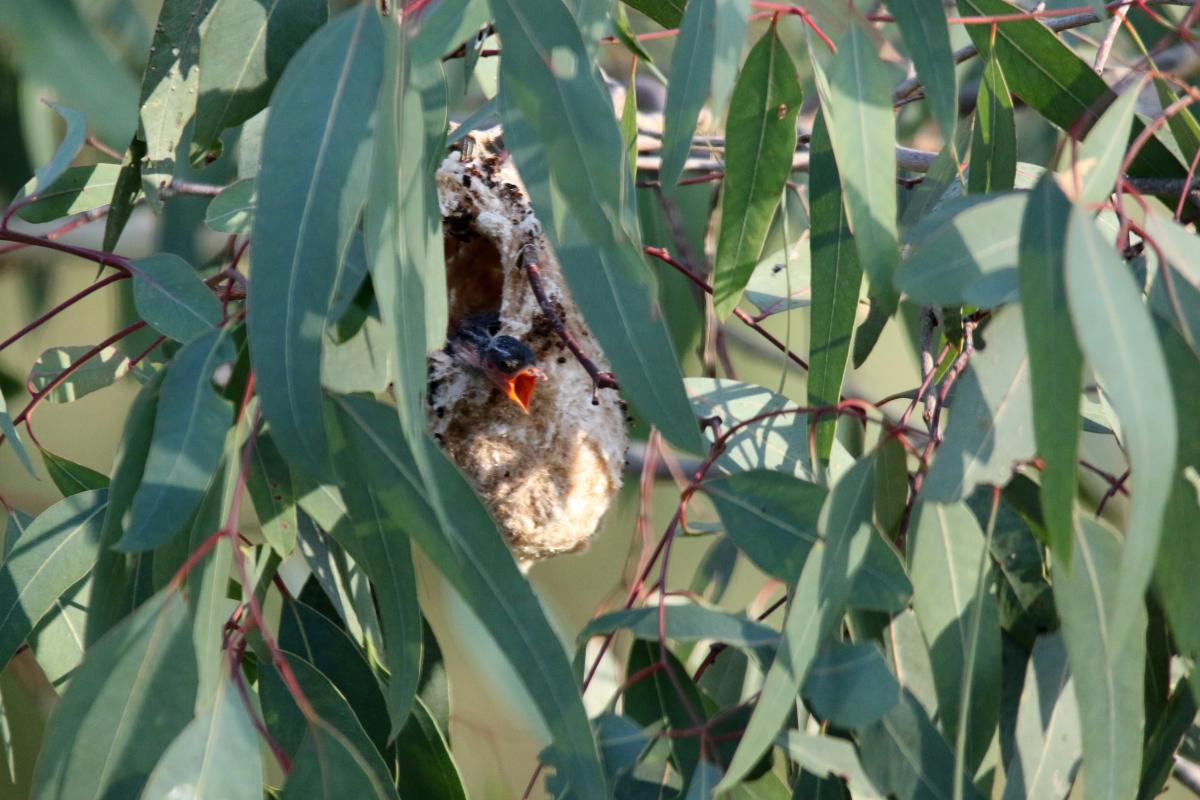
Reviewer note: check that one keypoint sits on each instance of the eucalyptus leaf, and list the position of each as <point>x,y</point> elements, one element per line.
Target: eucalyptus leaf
<point>1093,167</point>
<point>1048,734</point>
<point>103,369</point>
<point>12,437</point>
<point>72,478</point>
<point>685,623</point>
<point>57,550</point>
<point>927,37</point>
<point>850,686</point>
<point>77,189</point>
<point>232,211</point>
<point>691,76</point>
<point>310,189</point>
<point>994,146</point>
<point>758,154</point>
<point>171,297</point>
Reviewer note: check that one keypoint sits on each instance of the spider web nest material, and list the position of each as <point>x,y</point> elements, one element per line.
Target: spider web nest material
<point>547,477</point>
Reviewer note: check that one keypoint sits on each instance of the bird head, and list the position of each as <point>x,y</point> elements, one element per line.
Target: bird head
<point>511,366</point>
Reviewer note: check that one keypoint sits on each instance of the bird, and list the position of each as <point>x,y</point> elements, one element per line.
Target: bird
<point>506,361</point>
<point>507,401</point>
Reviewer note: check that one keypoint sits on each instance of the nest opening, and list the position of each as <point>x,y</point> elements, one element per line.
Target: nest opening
<point>474,272</point>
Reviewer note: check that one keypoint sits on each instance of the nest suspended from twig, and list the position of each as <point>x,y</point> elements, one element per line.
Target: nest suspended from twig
<point>547,477</point>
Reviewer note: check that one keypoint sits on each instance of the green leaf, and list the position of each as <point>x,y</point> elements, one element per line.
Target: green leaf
<point>927,37</point>
<point>850,686</point>
<point>51,556</point>
<point>684,623</point>
<point>1117,336</point>
<point>244,47</point>
<point>994,144</point>
<point>387,558</point>
<point>77,189</point>
<point>891,485</point>
<point>171,297</point>
<point>308,634</point>
<point>273,495</point>
<point>295,733</point>
<point>782,280</point>
<point>950,566</point>
<point>232,211</point>
<point>857,103</point>
<point>628,125</point>
<point>475,560</point>
<point>1174,580</point>
<point>1048,76</point>
<point>990,427</point>
<point>168,97</point>
<point>1055,363</point>
<point>1108,671</point>
<point>47,174</point>
<point>13,438</point>
<point>829,756</point>
<point>882,584</point>
<point>403,223</point>
<point>906,757</point>
<point>72,478</point>
<point>971,258</point>
<point>760,140</point>
<point>329,766</point>
<point>816,610</point>
<point>771,516</point>
<point>560,128</point>
<point>667,13</point>
<point>216,755</point>
<point>704,781</point>
<point>189,431</point>
<point>310,189</point>
<point>101,370</point>
<point>836,282</point>
<point>1165,739</point>
<point>672,698</point>
<point>131,696</point>
<point>1047,736</point>
<point>691,76</point>
<point>125,193</point>
<point>363,363</point>
<point>778,442</point>
<point>426,766</point>
<point>54,48</point>
<point>111,578</point>
<point>1176,296</point>
<point>728,42</point>
<point>1094,166</point>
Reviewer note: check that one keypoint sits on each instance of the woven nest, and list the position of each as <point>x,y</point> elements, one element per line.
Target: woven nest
<point>547,477</point>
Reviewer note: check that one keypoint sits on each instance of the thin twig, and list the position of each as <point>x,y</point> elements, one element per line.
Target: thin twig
<point>1105,48</point>
<point>601,379</point>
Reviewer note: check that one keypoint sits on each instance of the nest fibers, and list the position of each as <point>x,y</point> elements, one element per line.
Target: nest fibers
<point>547,476</point>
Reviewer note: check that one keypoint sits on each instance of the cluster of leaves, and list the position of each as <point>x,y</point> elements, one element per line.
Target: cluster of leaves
<point>963,611</point>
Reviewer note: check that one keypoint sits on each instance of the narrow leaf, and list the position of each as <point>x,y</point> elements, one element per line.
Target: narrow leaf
<point>1115,332</point>
<point>68,148</point>
<point>850,686</point>
<point>1108,670</point>
<point>691,76</point>
<point>216,755</point>
<point>836,282</point>
<point>99,371</point>
<point>131,696</point>
<point>990,427</point>
<point>817,606</point>
<point>667,13</point>
<point>232,211</point>
<point>329,766</point>
<point>77,189</point>
<point>12,437</point>
<point>1093,167</point>
<point>244,47</point>
<point>427,767</point>
<point>474,559</point>
<point>1047,736</point>
<point>559,126</point>
<point>759,143</point>
<point>949,562</point>
<point>310,189</point>
<point>684,623</point>
<point>189,432</point>
<point>994,144</point>
<point>858,110</point>
<point>927,37</point>
<point>171,297</point>
<point>52,555</point>
<point>169,84</point>
<point>72,478</point>
<point>1055,363</point>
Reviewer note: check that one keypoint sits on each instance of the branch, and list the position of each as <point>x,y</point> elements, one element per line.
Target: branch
<point>600,378</point>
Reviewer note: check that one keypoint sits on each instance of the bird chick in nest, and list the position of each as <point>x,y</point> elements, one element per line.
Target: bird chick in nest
<point>507,401</point>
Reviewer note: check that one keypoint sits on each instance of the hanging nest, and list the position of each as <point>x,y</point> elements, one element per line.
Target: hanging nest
<point>546,476</point>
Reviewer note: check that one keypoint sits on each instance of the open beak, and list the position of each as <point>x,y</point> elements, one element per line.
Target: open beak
<point>519,387</point>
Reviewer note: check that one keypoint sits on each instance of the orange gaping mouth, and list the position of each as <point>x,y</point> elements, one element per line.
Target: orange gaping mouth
<point>520,387</point>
